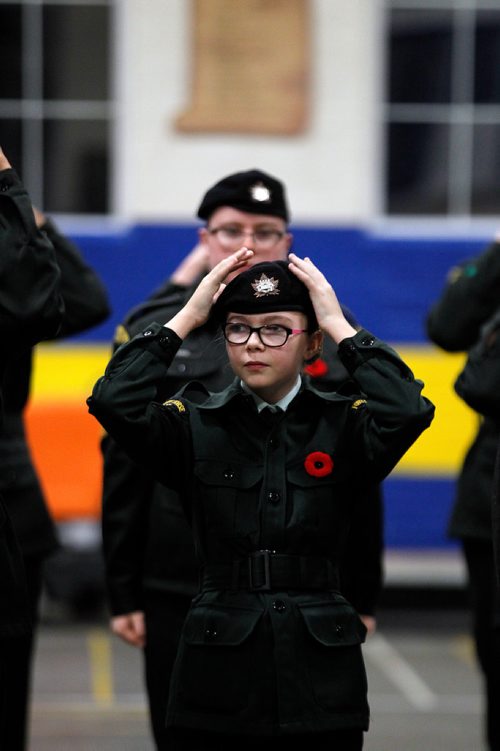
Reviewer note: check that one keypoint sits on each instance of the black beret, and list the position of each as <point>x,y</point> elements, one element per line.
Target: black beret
<point>252,191</point>
<point>267,287</point>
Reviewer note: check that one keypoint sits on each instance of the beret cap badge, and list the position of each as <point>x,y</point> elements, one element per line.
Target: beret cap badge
<point>265,285</point>
<point>260,192</point>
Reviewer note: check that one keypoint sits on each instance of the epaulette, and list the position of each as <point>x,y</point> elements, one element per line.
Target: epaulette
<point>359,404</point>
<point>121,335</point>
<point>175,405</point>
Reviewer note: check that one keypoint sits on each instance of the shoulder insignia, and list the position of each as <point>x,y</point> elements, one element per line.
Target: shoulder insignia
<point>175,404</point>
<point>358,403</point>
<point>121,335</point>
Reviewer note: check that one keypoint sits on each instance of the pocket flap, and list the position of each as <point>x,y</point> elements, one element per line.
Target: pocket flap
<point>210,626</point>
<point>333,625</point>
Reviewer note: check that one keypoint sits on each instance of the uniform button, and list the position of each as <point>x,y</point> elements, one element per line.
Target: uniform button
<point>368,341</point>
<point>274,443</point>
<point>210,633</point>
<point>279,606</point>
<point>181,367</point>
<point>229,474</point>
<point>273,496</point>
<point>148,333</point>
<point>339,630</point>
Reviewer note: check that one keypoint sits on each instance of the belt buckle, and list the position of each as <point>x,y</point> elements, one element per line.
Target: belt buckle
<point>252,558</point>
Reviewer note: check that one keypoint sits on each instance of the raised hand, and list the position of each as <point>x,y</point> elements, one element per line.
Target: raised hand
<point>197,310</point>
<point>4,162</point>
<point>328,311</point>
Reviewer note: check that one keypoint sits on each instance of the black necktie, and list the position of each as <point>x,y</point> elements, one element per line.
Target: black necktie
<point>271,415</point>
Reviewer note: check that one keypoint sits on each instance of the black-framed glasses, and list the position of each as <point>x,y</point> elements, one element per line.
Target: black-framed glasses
<point>271,334</point>
<point>234,237</point>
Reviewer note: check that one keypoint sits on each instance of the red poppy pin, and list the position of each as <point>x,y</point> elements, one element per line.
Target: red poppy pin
<point>317,368</point>
<point>318,464</point>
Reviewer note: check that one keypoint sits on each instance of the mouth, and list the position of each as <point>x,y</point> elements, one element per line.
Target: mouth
<point>254,365</point>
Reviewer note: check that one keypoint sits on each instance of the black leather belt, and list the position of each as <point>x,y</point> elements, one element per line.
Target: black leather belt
<point>266,570</point>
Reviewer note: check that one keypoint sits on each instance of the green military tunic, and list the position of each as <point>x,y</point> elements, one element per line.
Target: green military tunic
<point>269,646</point>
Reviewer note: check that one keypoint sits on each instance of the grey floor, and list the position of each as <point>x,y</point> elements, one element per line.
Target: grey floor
<point>424,687</point>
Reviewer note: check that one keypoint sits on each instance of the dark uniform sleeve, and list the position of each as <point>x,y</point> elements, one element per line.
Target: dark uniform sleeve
<point>468,300</point>
<point>30,310</point>
<point>361,569</point>
<point>85,296</point>
<point>128,402</point>
<point>361,565</point>
<point>127,493</point>
<point>478,382</point>
<point>398,413</point>
<point>31,305</point>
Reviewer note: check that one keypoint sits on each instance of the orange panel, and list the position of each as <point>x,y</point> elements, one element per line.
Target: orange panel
<point>64,441</point>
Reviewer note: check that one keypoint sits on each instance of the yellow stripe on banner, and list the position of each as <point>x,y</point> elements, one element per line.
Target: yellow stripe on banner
<point>101,668</point>
<point>65,373</point>
<point>440,449</point>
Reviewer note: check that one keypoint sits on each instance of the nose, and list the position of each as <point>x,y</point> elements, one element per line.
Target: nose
<point>254,342</point>
<point>249,239</point>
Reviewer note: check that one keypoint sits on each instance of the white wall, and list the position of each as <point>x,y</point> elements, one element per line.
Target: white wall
<point>331,170</point>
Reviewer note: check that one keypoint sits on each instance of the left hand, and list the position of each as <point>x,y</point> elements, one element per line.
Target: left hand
<point>370,623</point>
<point>326,305</point>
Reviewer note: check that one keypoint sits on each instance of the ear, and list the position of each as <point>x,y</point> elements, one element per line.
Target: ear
<point>314,346</point>
<point>289,241</point>
<point>203,234</point>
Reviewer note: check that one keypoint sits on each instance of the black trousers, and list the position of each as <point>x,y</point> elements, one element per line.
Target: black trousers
<point>15,669</point>
<point>485,604</point>
<point>333,740</point>
<point>164,615</point>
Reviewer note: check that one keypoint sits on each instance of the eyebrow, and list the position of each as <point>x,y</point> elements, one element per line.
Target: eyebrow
<point>278,317</point>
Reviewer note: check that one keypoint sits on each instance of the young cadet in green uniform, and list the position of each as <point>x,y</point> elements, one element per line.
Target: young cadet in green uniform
<point>85,305</point>
<point>464,318</point>
<point>270,651</point>
<point>151,572</point>
<point>31,309</point>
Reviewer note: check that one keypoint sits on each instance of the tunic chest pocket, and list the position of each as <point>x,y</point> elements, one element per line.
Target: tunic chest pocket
<point>228,495</point>
<point>316,501</point>
<point>216,657</point>
<point>333,634</point>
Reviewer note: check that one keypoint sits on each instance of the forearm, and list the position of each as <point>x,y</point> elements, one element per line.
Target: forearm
<point>30,297</point>
<point>85,296</point>
<point>397,411</point>
<point>469,299</point>
<point>127,399</point>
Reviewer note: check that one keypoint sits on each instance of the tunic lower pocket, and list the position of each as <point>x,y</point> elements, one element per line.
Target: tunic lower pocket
<point>215,659</point>
<point>332,652</point>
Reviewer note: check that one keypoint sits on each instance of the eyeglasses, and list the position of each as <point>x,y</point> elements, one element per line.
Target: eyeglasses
<point>234,237</point>
<point>271,335</point>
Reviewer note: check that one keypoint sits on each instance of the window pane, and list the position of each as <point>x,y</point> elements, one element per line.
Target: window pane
<point>76,52</point>
<point>486,168</point>
<point>76,166</point>
<point>487,58</point>
<point>10,52</point>
<point>419,56</point>
<point>11,141</point>
<point>418,168</point>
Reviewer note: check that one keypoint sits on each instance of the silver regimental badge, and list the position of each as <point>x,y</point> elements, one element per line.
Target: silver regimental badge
<point>265,286</point>
<point>260,193</point>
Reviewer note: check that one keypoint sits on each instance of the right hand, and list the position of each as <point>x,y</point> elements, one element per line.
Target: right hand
<point>130,627</point>
<point>4,162</point>
<point>197,309</point>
